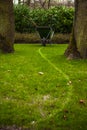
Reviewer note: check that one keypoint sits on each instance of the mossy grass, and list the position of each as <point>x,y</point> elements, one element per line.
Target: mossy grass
<point>55,99</point>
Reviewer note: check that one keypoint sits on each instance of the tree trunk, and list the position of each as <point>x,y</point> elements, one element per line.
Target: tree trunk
<point>49,1</point>
<point>19,1</point>
<point>42,3</point>
<point>78,43</point>
<point>6,26</point>
<point>28,2</point>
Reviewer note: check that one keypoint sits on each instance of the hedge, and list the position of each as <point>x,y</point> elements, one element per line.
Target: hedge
<point>59,18</point>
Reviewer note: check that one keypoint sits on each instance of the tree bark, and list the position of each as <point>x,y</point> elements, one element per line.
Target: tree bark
<point>78,43</point>
<point>6,26</point>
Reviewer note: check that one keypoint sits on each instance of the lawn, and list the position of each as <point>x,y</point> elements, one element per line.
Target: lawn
<point>41,90</point>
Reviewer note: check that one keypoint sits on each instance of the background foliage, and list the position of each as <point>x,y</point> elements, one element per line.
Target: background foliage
<point>60,18</point>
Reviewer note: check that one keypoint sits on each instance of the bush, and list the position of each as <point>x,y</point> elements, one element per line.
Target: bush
<point>22,16</point>
<point>60,18</point>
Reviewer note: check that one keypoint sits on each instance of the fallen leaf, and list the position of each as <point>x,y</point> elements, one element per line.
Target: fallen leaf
<point>65,117</point>
<point>41,73</point>
<point>66,111</point>
<point>82,101</point>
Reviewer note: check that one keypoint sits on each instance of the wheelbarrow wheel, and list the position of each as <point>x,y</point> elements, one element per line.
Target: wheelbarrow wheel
<point>44,42</point>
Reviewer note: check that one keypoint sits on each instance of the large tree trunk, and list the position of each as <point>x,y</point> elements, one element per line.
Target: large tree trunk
<point>6,26</point>
<point>78,43</point>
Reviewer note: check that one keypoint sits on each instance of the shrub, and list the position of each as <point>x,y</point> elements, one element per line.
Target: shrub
<point>22,16</point>
<point>60,18</point>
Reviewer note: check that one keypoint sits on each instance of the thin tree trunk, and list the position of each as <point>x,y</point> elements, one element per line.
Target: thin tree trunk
<point>42,3</point>
<point>28,2</point>
<point>19,1</point>
<point>49,3</point>
<point>6,26</point>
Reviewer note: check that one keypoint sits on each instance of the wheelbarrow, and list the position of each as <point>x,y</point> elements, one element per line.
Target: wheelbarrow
<point>45,33</point>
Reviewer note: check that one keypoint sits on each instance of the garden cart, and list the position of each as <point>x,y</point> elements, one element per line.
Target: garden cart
<point>45,33</point>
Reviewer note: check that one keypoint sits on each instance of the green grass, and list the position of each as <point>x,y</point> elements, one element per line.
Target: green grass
<point>50,101</point>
